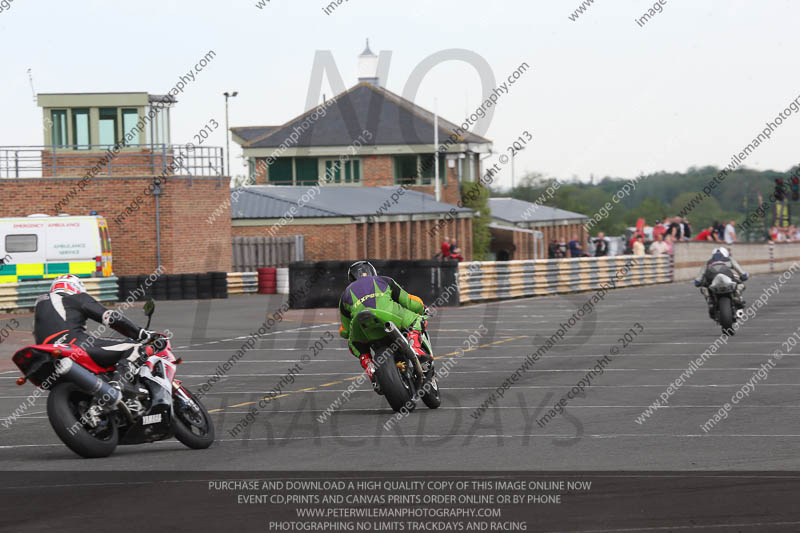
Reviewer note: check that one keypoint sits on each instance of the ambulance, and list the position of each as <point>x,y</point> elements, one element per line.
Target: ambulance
<point>43,247</point>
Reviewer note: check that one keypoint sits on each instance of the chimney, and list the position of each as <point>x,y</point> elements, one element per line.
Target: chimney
<point>368,67</point>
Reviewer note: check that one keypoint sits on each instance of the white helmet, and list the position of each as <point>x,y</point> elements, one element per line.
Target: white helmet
<point>67,284</point>
<point>722,250</point>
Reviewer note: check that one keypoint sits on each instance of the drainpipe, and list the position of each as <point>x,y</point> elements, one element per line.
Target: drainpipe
<point>157,195</point>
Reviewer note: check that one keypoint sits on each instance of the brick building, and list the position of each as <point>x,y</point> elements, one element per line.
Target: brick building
<point>80,129</point>
<point>102,153</point>
<point>522,230</point>
<point>340,223</point>
<point>187,242</point>
<point>366,138</point>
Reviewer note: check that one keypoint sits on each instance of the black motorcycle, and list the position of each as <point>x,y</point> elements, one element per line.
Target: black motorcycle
<point>726,307</point>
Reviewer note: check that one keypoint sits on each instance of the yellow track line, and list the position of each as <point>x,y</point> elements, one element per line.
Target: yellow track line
<point>357,376</point>
<point>243,404</point>
<point>482,346</point>
<point>273,398</point>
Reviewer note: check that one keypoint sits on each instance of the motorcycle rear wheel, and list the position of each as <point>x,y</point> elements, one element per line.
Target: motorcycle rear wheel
<point>66,405</point>
<point>726,314</point>
<point>392,384</point>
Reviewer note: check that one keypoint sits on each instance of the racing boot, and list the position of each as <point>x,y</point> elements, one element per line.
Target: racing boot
<point>123,377</point>
<point>425,359</point>
<point>369,367</point>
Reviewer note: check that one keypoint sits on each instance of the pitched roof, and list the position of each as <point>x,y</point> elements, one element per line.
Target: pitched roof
<point>391,119</point>
<point>267,201</point>
<point>513,210</point>
<point>248,133</point>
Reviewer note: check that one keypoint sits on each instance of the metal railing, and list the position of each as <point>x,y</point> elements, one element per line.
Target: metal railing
<point>101,160</point>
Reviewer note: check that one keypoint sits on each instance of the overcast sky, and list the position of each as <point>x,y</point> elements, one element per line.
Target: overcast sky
<point>604,96</point>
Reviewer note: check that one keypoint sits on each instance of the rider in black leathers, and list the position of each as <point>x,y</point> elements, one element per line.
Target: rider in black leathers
<point>61,315</point>
<point>721,262</point>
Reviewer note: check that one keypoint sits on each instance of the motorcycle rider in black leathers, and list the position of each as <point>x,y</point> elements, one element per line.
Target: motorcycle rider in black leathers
<point>60,318</point>
<point>721,262</point>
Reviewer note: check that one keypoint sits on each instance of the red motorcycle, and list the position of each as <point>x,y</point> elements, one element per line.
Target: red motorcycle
<point>92,409</point>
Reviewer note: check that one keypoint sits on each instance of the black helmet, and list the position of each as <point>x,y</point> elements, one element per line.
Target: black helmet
<point>359,269</point>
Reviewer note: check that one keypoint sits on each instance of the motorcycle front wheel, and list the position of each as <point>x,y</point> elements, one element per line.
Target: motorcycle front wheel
<point>191,422</point>
<point>66,406</point>
<point>430,394</point>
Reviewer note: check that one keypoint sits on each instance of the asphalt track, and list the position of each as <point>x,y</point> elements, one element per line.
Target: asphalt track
<point>597,432</point>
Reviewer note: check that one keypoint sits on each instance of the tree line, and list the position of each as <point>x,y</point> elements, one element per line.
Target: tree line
<point>663,194</point>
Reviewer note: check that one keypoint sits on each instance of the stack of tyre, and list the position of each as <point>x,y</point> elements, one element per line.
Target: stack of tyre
<point>268,280</point>
<point>129,288</point>
<point>174,287</point>
<point>219,284</point>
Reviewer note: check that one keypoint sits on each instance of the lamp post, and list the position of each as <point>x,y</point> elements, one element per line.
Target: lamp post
<point>227,129</point>
<point>513,154</point>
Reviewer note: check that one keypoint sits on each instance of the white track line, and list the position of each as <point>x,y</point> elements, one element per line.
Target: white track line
<point>519,387</point>
<point>506,371</point>
<point>268,334</point>
<point>475,436</point>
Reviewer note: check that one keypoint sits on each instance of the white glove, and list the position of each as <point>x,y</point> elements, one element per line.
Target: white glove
<point>146,336</point>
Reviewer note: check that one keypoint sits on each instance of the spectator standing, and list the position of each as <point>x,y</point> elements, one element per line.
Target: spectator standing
<point>670,244</point>
<point>638,246</point>
<point>600,245</point>
<point>562,248</point>
<point>575,248</point>
<point>658,247</point>
<point>730,232</point>
<point>552,249</point>
<point>455,251</point>
<point>773,234</point>
<point>634,238</point>
<point>675,228</point>
<point>659,229</point>
<point>687,229</point>
<point>719,227</point>
<point>446,248</point>
<point>708,234</point>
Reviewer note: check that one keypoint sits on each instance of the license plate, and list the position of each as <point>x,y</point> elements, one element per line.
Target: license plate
<point>151,419</point>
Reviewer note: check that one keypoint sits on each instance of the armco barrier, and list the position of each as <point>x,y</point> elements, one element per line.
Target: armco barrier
<point>242,282</point>
<point>496,280</point>
<point>8,296</point>
<point>327,279</point>
<point>15,296</point>
<point>103,289</point>
<point>755,258</point>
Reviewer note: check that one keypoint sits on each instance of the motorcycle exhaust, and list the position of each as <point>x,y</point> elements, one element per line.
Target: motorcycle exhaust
<point>402,342</point>
<point>88,382</point>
